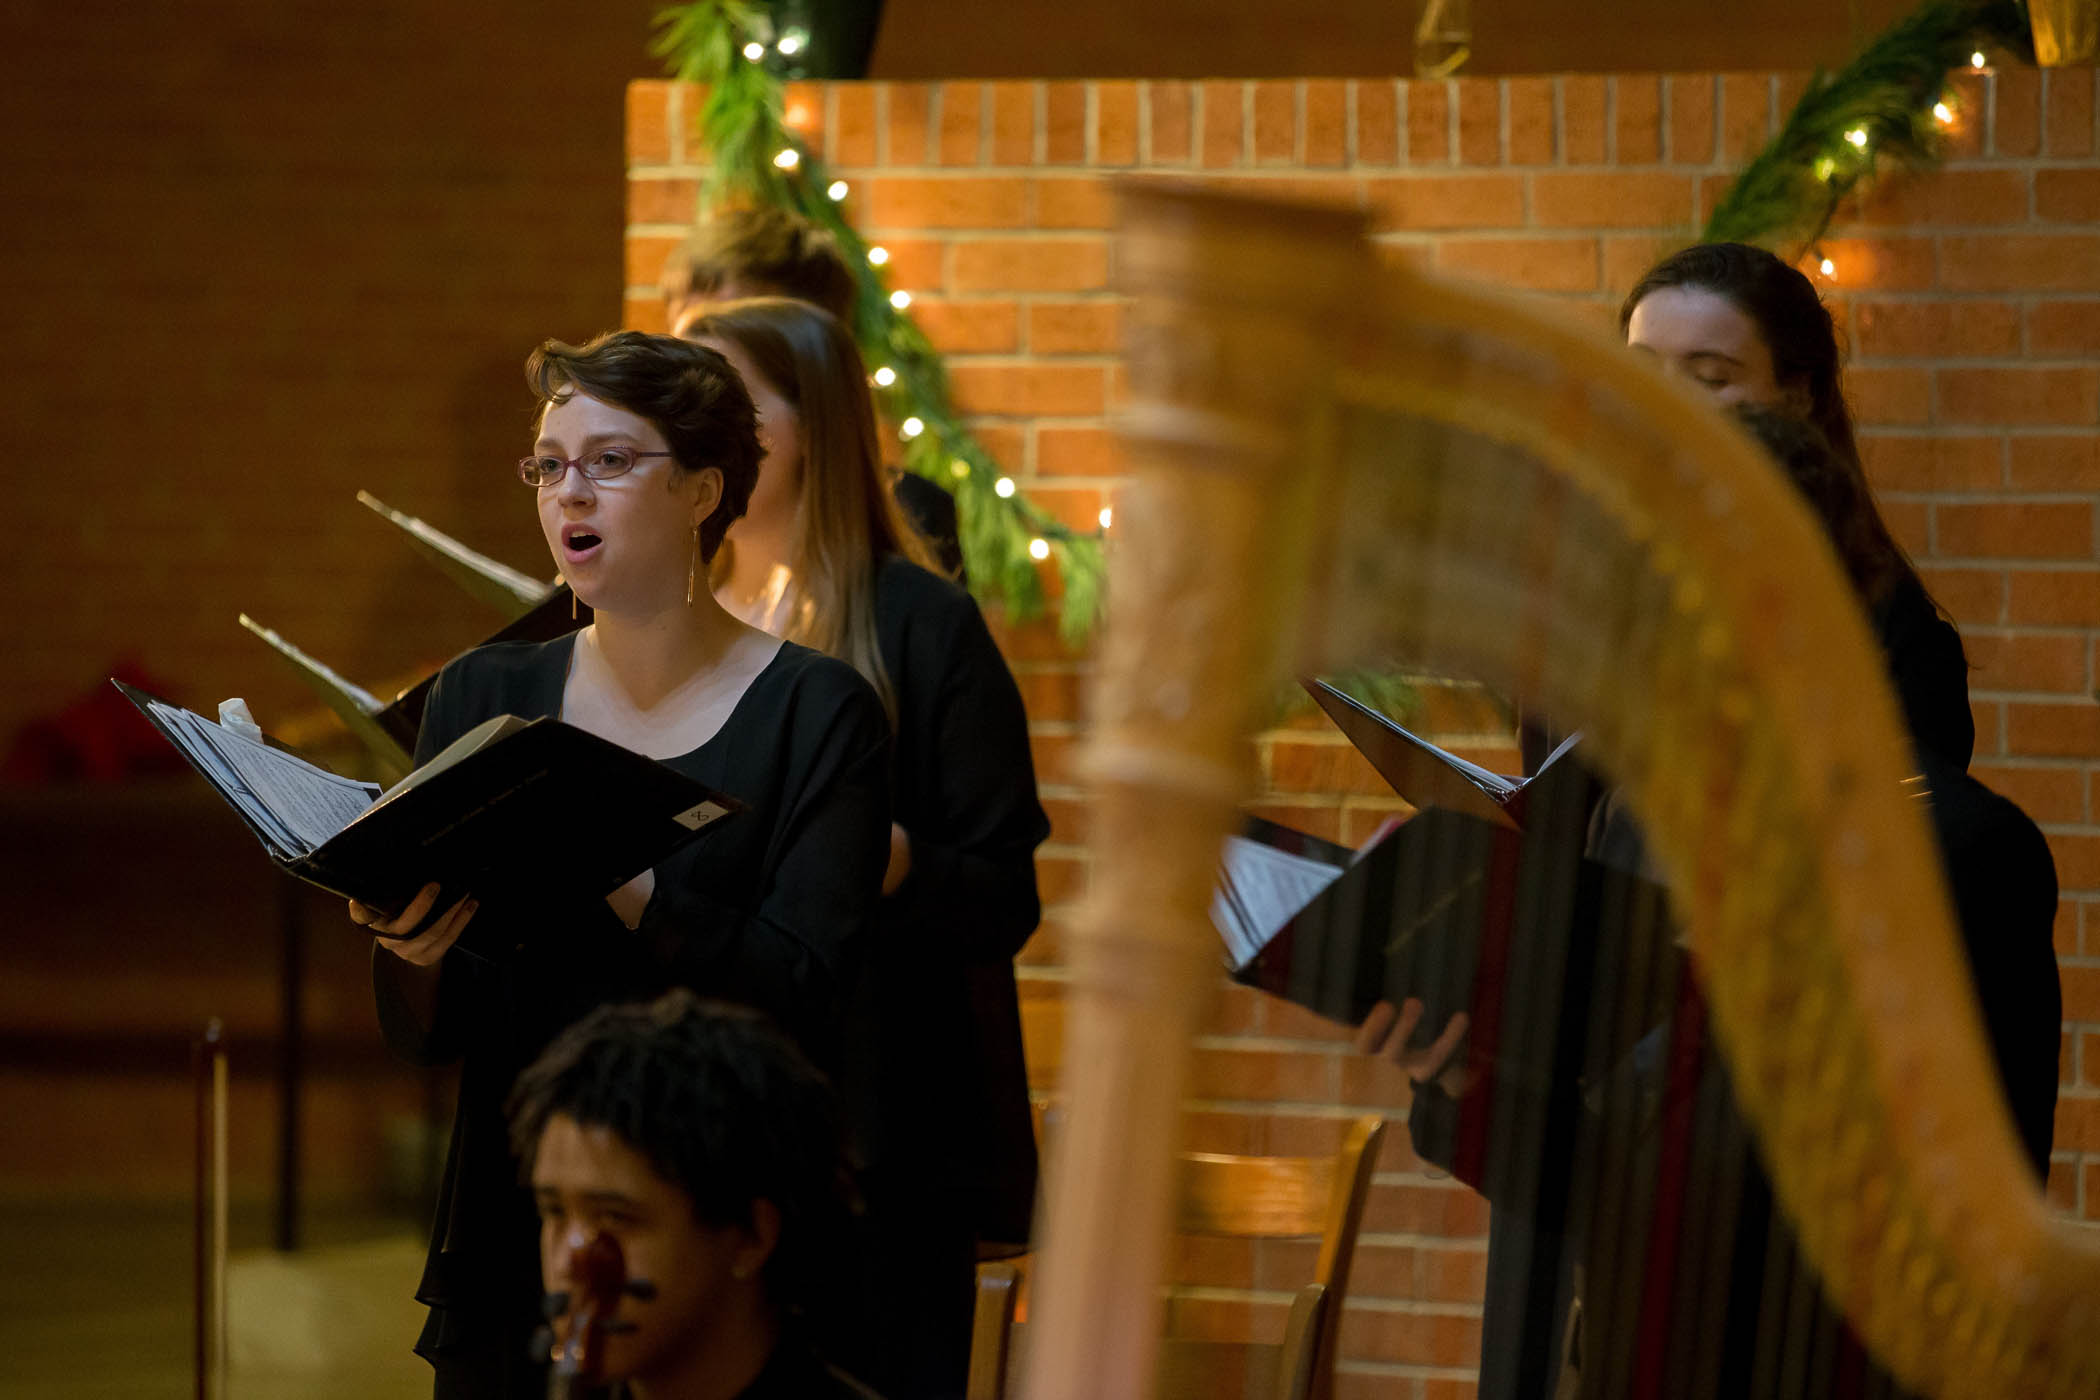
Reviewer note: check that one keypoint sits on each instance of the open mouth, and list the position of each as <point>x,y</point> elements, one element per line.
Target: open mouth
<point>578,540</point>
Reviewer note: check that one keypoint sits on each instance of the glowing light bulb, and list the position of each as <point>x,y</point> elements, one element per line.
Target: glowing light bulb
<point>837,191</point>
<point>1108,514</point>
<point>878,255</point>
<point>885,376</point>
<point>754,51</point>
<point>1039,548</point>
<point>1004,487</point>
<point>1977,60</point>
<point>912,427</point>
<point>788,159</point>
<point>900,300</point>
<point>1858,137</point>
<point>958,469</point>
<point>1942,113</point>
<point>791,44</point>
<point>1827,268</point>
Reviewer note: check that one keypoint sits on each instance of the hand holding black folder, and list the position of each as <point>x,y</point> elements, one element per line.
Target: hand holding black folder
<point>474,820</point>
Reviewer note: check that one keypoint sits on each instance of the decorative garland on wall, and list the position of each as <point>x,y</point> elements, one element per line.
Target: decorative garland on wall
<point>733,48</point>
<point>1888,107</point>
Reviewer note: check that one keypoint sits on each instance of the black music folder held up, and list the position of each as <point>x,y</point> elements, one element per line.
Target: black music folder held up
<point>477,818</point>
<point>1434,907</point>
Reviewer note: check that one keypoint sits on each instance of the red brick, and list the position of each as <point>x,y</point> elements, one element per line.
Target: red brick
<point>1295,766</point>
<point>644,311</point>
<point>1884,264</point>
<point>1450,1274</point>
<point>1362,817</point>
<point>1948,197</point>
<point>1052,753</point>
<point>945,201</point>
<point>1064,123</point>
<point>2068,121</point>
<point>1539,264</point>
<point>1072,327</point>
<point>1409,1338</point>
<point>1940,329</point>
<point>1584,134</point>
<point>1446,201</point>
<point>1692,118</point>
<point>1429,123</point>
<point>1531,121</point>
<point>1377,122</point>
<point>2016,118</point>
<point>2023,395</point>
<point>2027,661</point>
<point>1446,1388</point>
<point>1116,123</point>
<point>1068,815</point>
<point>2062,1186</point>
<point>1479,121</point>
<point>906,133</point>
<point>1637,122</point>
<point>1789,87</point>
<point>2027,530</point>
<point>645,254</point>
<point>1910,523</point>
<point>852,135</point>
<point>1968,98</point>
<point>1313,817</point>
<point>662,201</point>
<point>1030,265</point>
<point>1627,260</point>
<point>1028,389</point>
<point>1618,200</point>
<point>1078,508</point>
<point>916,264</point>
<point>962,124</point>
<point>1275,123</point>
<point>969,327</point>
<point>1936,462</point>
<point>802,112</point>
<point>2046,730</point>
<point>2053,597</point>
<point>1969,595</point>
<point>2056,462</point>
<point>1326,122</point>
<point>1059,878</point>
<point>2053,794</point>
<point>648,122</point>
<point>2031,262</point>
<point>1746,115</point>
<point>1211,1261</point>
<point>1061,451</point>
<point>2067,196</point>
<point>2081,985</point>
<point>1171,123</point>
<point>1078,201</point>
<point>1013,123</point>
<point>1890,396</point>
<point>1224,122</point>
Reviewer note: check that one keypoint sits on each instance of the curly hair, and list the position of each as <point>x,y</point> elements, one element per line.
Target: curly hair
<point>688,393</point>
<point>722,1105</point>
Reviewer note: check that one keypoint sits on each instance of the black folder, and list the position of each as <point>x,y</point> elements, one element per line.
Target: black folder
<point>498,811</point>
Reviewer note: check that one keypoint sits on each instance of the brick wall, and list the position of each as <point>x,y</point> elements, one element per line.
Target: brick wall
<point>1972,304</point>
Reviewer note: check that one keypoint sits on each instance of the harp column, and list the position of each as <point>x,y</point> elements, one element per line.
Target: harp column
<point>1255,313</point>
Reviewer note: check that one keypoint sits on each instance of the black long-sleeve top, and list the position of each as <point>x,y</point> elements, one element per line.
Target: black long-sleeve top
<point>768,908</point>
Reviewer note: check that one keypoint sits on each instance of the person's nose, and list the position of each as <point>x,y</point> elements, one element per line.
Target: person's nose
<point>575,488</point>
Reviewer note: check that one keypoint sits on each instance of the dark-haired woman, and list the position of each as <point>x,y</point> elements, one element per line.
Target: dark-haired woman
<point>647,451</point>
<point>937,1081</point>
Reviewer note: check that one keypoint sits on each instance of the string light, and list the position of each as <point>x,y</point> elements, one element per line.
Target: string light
<point>788,159</point>
<point>1004,488</point>
<point>1942,113</point>
<point>900,299</point>
<point>1107,516</point>
<point>754,51</point>
<point>1827,268</point>
<point>878,255</point>
<point>1977,60</point>
<point>791,43</point>
<point>1858,137</point>
<point>1825,168</point>
<point>885,376</point>
<point>1039,548</point>
<point>837,191</point>
<point>912,427</point>
<point>959,469</point>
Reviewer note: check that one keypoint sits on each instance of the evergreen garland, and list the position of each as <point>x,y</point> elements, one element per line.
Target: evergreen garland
<point>1883,106</point>
<point>731,48</point>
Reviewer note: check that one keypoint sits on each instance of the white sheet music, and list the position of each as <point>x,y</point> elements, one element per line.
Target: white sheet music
<point>297,804</point>
<point>1259,889</point>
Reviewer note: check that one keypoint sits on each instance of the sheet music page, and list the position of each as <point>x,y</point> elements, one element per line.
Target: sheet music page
<point>185,729</point>
<point>303,803</point>
<point>1259,889</point>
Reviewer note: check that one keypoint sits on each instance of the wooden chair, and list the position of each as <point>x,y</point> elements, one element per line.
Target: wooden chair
<point>1245,1197</point>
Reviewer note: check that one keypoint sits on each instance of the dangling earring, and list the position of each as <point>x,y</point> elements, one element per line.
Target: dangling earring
<point>572,605</point>
<point>692,570</point>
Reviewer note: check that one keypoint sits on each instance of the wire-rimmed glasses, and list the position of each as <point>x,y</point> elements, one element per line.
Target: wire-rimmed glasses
<point>599,464</point>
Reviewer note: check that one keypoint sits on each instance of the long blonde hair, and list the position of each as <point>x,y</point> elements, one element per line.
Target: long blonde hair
<point>846,518</point>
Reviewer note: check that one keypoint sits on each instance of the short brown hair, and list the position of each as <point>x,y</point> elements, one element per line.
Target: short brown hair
<point>761,251</point>
<point>688,393</point>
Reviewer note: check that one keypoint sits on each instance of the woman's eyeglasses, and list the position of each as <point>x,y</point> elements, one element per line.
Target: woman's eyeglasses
<point>602,464</point>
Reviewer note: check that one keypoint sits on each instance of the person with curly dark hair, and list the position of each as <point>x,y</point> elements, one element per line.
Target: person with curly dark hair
<point>708,1147</point>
